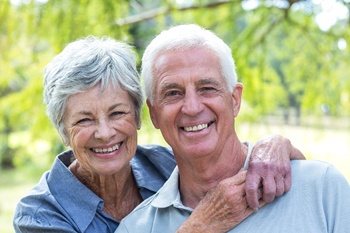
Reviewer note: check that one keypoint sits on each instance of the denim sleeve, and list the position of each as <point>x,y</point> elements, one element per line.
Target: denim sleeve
<point>160,157</point>
<point>152,165</point>
<point>35,224</point>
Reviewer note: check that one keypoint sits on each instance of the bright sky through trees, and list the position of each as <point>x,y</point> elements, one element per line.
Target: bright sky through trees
<point>328,12</point>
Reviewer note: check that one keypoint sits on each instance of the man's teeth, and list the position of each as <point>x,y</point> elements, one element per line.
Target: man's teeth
<point>106,150</point>
<point>195,128</point>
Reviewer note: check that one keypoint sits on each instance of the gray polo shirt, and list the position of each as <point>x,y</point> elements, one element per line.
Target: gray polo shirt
<point>319,201</point>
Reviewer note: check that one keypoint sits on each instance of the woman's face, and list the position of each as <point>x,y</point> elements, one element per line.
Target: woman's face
<point>101,129</point>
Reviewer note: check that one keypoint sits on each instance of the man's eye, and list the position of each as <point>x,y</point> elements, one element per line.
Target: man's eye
<point>208,89</point>
<point>172,93</point>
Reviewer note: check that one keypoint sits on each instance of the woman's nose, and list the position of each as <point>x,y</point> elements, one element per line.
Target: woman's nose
<point>105,130</point>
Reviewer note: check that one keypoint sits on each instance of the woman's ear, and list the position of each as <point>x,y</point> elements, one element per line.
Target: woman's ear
<point>64,139</point>
<point>139,123</point>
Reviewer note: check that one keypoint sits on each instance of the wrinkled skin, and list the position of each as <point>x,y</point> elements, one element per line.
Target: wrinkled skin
<point>235,198</point>
<point>223,207</point>
<point>269,169</point>
<point>193,109</point>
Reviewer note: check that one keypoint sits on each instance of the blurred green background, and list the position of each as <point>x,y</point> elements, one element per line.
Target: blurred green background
<point>292,57</point>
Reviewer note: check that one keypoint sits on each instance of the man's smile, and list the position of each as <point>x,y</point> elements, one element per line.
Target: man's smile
<point>196,127</point>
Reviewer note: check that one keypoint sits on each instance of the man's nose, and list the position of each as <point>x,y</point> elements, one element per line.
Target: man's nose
<point>192,104</point>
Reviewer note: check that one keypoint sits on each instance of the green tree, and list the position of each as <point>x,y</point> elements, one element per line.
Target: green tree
<point>282,56</point>
<point>31,33</point>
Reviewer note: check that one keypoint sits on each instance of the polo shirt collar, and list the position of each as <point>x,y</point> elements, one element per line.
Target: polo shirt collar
<point>169,194</point>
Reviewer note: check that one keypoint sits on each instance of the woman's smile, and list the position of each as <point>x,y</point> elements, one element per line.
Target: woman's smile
<point>106,150</point>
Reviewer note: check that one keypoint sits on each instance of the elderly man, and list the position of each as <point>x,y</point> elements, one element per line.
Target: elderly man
<point>193,97</point>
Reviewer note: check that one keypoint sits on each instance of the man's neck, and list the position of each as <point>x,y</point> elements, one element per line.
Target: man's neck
<point>197,178</point>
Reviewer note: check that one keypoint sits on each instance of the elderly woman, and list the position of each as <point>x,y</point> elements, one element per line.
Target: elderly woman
<point>93,97</point>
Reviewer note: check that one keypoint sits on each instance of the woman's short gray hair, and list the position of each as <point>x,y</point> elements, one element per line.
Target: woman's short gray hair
<point>83,64</point>
<point>181,38</point>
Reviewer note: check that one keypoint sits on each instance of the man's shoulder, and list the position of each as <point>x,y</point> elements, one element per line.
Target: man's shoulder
<point>317,172</point>
<point>307,164</point>
<point>311,166</point>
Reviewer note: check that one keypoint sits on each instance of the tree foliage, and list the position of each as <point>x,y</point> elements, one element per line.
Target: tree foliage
<point>31,33</point>
<point>283,58</point>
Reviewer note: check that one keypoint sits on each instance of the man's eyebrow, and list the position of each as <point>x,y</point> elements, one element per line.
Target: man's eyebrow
<point>208,81</point>
<point>204,81</point>
<point>168,86</point>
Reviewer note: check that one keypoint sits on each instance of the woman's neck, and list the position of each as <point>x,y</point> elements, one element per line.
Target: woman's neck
<point>118,191</point>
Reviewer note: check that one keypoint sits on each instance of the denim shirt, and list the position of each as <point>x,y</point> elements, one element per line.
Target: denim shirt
<point>61,203</point>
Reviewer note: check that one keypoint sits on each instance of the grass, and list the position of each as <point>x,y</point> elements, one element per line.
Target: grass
<point>13,185</point>
<point>328,143</point>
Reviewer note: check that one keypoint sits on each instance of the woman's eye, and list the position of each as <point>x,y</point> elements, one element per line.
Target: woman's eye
<point>84,120</point>
<point>117,113</point>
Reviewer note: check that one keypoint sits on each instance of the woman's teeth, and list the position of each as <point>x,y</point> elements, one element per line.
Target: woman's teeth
<point>195,128</point>
<point>106,150</point>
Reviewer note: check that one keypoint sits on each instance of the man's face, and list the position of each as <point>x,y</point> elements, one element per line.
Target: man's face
<point>193,107</point>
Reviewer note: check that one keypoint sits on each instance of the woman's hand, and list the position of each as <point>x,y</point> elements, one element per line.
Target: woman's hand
<point>235,198</point>
<point>269,169</point>
<point>222,208</point>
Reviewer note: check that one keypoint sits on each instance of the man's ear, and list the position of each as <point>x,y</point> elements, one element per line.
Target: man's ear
<point>152,114</point>
<point>237,98</point>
